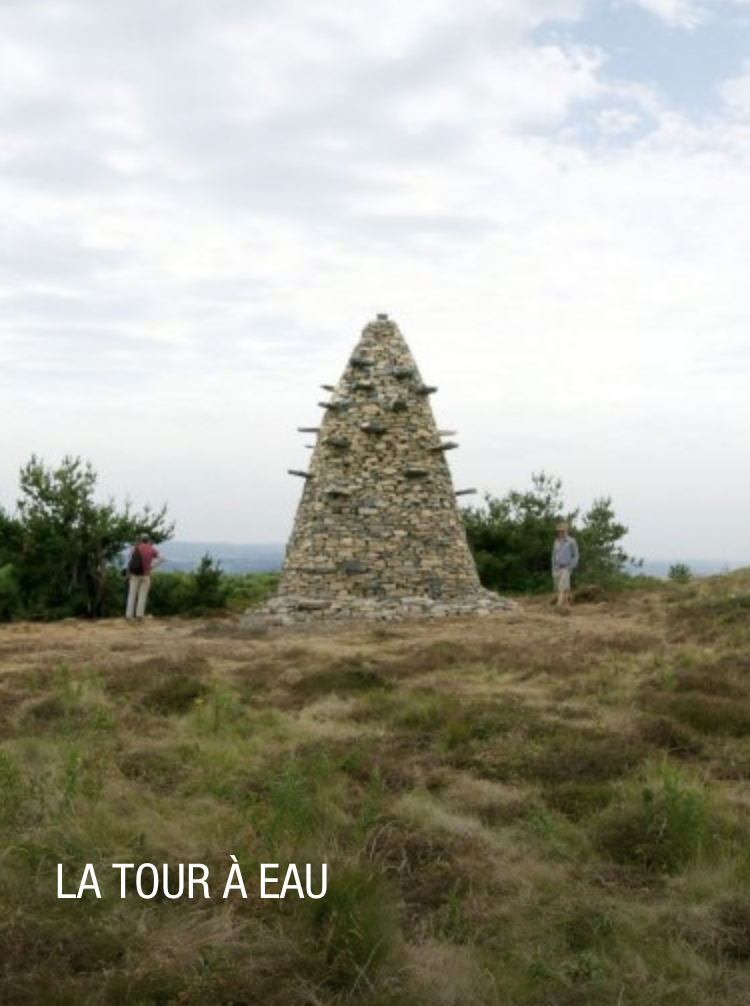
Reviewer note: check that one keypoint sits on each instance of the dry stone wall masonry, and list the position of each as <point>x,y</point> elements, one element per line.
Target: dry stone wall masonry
<point>378,533</point>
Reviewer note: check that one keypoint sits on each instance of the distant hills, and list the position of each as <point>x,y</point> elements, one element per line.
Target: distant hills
<point>233,557</point>
<point>236,557</point>
<point>698,567</point>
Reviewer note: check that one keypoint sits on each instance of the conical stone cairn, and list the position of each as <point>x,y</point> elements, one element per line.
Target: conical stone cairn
<point>378,529</point>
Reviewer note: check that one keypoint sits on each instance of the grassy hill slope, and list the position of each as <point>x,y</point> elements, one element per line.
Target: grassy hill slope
<point>511,811</point>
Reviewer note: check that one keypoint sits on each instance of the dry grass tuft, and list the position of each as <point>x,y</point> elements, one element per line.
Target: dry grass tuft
<point>580,757</point>
<point>708,714</point>
<point>670,736</point>
<point>443,974</point>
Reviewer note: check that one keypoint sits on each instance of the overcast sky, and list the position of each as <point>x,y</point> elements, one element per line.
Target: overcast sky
<point>202,203</point>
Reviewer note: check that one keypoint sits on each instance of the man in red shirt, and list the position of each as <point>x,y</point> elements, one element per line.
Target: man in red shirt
<point>143,559</point>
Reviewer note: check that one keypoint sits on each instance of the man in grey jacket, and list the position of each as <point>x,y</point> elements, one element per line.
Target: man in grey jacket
<point>564,561</point>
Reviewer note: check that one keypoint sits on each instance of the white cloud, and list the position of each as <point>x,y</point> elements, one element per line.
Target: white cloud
<point>215,200</point>
<point>677,13</point>
<point>526,86</point>
<point>687,14</point>
<point>21,71</point>
<point>736,93</point>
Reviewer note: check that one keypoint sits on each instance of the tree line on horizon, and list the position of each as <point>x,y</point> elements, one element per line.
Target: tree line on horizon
<point>61,549</point>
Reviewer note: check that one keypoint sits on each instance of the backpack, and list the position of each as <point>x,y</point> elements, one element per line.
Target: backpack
<point>135,565</point>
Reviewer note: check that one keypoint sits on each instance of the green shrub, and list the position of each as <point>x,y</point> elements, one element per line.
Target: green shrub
<point>680,573</point>
<point>10,594</point>
<point>170,594</point>
<point>207,589</point>
<point>661,832</point>
<point>287,810</point>
<point>245,590</point>
<point>511,538</point>
<point>208,585</point>
<point>64,541</point>
<point>114,593</point>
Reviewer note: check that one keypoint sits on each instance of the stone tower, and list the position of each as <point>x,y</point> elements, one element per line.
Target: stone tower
<point>378,519</point>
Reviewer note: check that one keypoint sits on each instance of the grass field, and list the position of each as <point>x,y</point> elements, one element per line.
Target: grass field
<point>528,810</point>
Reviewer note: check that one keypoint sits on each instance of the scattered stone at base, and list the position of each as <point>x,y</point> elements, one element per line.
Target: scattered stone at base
<point>289,610</point>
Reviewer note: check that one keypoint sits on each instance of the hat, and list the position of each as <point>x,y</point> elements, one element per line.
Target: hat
<point>561,526</point>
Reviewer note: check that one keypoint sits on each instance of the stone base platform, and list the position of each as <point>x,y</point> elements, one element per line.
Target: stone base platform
<point>289,610</point>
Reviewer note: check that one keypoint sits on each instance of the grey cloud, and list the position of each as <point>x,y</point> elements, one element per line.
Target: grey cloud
<point>59,170</point>
<point>228,290</point>
<point>411,231</point>
<point>732,360</point>
<point>88,360</point>
<point>31,254</point>
<point>303,161</point>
